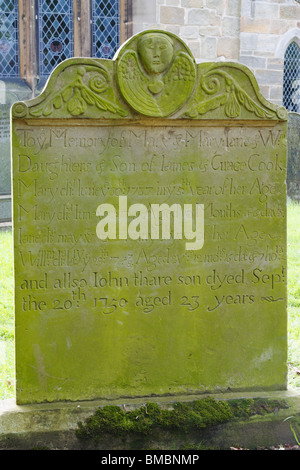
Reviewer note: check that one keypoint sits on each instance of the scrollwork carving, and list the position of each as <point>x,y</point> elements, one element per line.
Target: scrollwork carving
<point>77,95</point>
<point>226,92</point>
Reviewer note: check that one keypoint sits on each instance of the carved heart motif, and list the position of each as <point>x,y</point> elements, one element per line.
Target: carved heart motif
<point>156,87</point>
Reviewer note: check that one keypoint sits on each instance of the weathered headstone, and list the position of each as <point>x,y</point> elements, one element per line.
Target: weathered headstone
<point>10,91</point>
<point>293,164</point>
<point>149,229</point>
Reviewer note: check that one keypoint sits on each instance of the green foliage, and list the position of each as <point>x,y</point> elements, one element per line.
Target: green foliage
<point>6,316</point>
<point>295,435</point>
<point>6,286</point>
<point>293,256</point>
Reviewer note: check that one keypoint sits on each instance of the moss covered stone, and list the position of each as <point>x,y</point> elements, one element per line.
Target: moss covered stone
<point>184,417</point>
<point>187,298</point>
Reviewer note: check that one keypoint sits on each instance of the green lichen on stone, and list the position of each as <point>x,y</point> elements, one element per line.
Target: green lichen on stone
<point>135,312</point>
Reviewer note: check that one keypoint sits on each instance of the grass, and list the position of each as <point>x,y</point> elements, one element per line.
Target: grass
<point>6,316</point>
<point>293,251</point>
<point>7,389</point>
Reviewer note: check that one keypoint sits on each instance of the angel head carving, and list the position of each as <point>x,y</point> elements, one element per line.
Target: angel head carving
<point>156,73</point>
<point>156,52</point>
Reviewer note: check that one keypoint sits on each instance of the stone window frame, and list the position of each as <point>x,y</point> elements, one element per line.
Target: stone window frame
<point>82,34</point>
<point>288,38</point>
<point>291,80</point>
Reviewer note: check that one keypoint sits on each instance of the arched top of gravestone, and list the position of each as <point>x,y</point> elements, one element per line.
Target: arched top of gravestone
<point>153,75</point>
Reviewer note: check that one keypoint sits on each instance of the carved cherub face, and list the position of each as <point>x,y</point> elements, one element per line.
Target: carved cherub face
<point>156,52</point>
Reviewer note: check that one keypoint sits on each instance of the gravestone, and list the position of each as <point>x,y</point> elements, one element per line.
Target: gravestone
<point>149,229</point>
<point>293,165</point>
<point>10,91</point>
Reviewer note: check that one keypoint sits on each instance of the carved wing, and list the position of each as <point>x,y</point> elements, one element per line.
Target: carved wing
<point>179,81</point>
<point>133,83</point>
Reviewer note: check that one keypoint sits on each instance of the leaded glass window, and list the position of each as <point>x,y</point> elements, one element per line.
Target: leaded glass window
<point>291,78</point>
<point>9,41</point>
<point>105,28</point>
<point>56,33</point>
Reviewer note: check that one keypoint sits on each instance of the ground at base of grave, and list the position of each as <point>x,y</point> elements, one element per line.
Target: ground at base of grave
<point>275,425</point>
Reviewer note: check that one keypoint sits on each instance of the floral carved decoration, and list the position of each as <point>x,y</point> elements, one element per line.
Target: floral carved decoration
<point>229,94</point>
<point>77,95</point>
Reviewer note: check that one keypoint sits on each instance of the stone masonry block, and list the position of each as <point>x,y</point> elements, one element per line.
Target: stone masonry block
<point>254,25</point>
<point>210,31</point>
<point>208,48</point>
<point>266,10</point>
<point>248,41</point>
<point>189,32</point>
<point>245,7</point>
<point>246,53</point>
<point>199,16</point>
<point>280,26</point>
<point>194,48</point>
<point>175,3</point>
<point>275,64</point>
<point>217,5</point>
<point>290,12</point>
<point>276,93</point>
<point>259,53</point>
<point>231,26</point>
<point>171,15</point>
<point>233,8</point>
<point>267,42</point>
<point>228,47</point>
<point>172,28</point>
<point>269,77</point>
<point>192,3</point>
<point>253,62</point>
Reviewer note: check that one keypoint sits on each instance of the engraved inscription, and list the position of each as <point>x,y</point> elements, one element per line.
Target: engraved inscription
<point>59,192</point>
